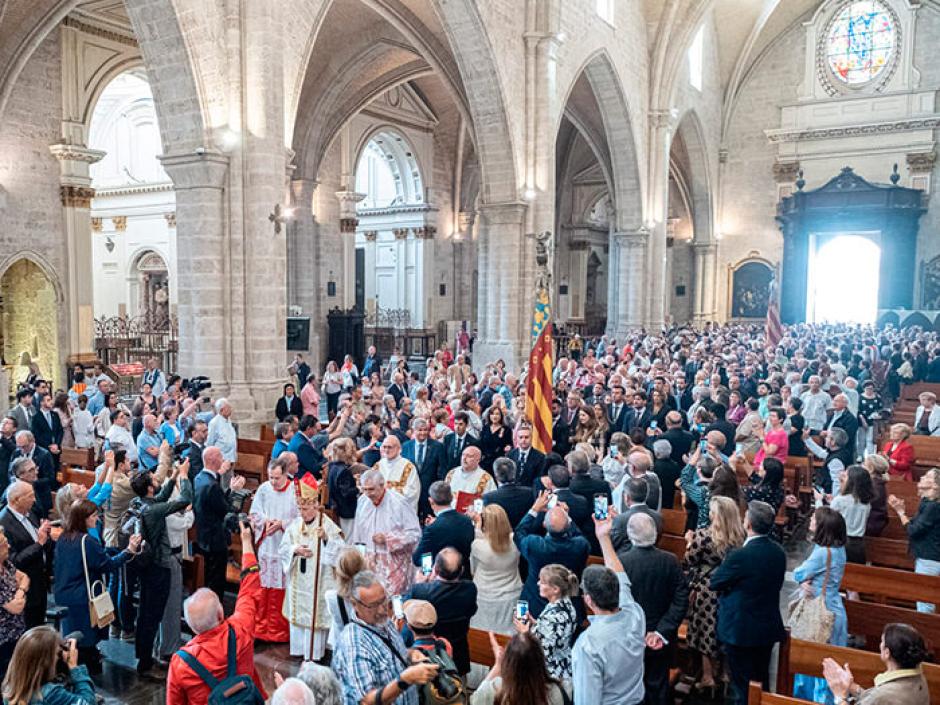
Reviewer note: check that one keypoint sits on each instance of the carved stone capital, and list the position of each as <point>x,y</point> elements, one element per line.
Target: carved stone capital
<point>97,224</point>
<point>425,232</point>
<point>400,233</point>
<point>76,153</point>
<point>76,196</point>
<point>630,239</point>
<point>786,172</point>
<point>347,203</point>
<point>120,222</point>
<point>921,162</point>
<point>371,235</point>
<point>170,219</point>
<point>348,225</point>
<point>663,119</point>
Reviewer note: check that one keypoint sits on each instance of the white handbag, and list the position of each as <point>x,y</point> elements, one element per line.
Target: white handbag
<point>100,606</point>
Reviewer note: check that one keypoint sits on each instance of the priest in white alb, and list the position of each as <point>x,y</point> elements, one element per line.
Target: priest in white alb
<point>311,539</point>
<point>400,473</point>
<point>387,527</point>
<point>469,481</point>
<point>272,509</point>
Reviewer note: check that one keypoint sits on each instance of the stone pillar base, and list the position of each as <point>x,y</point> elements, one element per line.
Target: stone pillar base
<point>488,351</point>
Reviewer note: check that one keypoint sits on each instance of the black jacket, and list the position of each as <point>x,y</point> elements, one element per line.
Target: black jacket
<point>659,587</point>
<point>28,556</point>
<point>680,441</point>
<point>848,422</point>
<point>455,604</point>
<point>46,479</point>
<point>344,495</point>
<point>195,458</point>
<point>7,449</point>
<point>450,528</point>
<point>748,584</point>
<point>728,430</point>
<point>210,507</point>
<point>668,471</point>
<point>44,434</point>
<point>432,469</point>
<point>618,530</point>
<point>534,465</point>
<point>451,454</point>
<point>923,530</point>
<point>282,410</point>
<point>514,498</point>
<point>560,436</point>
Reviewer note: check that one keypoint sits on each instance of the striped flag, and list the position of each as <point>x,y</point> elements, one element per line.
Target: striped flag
<point>773,331</point>
<point>539,379</point>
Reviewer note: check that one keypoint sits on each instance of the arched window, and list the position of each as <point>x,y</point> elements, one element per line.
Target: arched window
<point>860,42</point>
<point>388,173</point>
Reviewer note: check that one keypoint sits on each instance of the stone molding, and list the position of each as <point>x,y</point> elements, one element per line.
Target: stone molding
<point>786,172</point>
<point>195,170</point>
<point>777,136</point>
<point>120,222</point>
<point>392,210</point>
<point>76,153</point>
<point>400,233</point>
<point>96,31</point>
<point>170,219</point>
<point>507,213</point>
<point>921,162</point>
<point>371,235</point>
<point>132,190</point>
<point>631,239</point>
<point>348,225</point>
<point>76,196</point>
<point>425,232</point>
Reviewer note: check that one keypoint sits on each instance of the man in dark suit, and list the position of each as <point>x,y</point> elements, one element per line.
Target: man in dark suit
<point>561,434</point>
<point>634,495</point>
<point>210,507</point>
<point>682,393</point>
<point>641,414</point>
<point>447,528</point>
<point>579,509</point>
<point>289,404</point>
<point>46,426</point>
<point>515,498</point>
<point>397,388</point>
<point>727,429</point>
<point>197,444</point>
<point>455,600</point>
<point>618,411</point>
<point>748,584</point>
<point>454,443</point>
<point>680,439</point>
<point>45,469</point>
<point>843,418</point>
<point>530,462</point>
<point>659,587</point>
<point>372,363</point>
<point>308,456</point>
<point>24,410</point>
<point>30,548</point>
<point>7,449</point>
<point>427,455</point>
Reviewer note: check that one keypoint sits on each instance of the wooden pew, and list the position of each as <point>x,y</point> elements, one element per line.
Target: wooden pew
<point>674,521</point>
<point>806,657</point>
<point>890,583</point>
<point>888,553</point>
<point>83,458</point>
<point>756,696</point>
<point>78,476</point>
<point>247,445</point>
<point>267,434</point>
<point>480,650</point>
<point>867,619</point>
<point>253,467</point>
<point>912,392</point>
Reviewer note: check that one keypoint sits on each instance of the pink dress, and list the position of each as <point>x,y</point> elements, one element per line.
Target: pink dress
<point>778,438</point>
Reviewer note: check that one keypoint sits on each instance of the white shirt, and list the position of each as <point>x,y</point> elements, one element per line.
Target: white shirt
<point>83,428</point>
<point>222,436</point>
<point>119,434</point>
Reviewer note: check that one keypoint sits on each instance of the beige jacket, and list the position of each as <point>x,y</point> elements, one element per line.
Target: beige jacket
<point>901,687</point>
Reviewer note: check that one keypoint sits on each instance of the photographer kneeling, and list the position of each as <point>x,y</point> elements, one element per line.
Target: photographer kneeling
<point>210,507</point>
<point>45,669</point>
<point>155,561</point>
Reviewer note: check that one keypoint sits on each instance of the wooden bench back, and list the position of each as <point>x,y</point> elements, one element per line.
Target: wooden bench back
<point>868,619</point>
<point>890,583</point>
<point>888,553</point>
<point>481,651</point>
<point>267,434</point>
<point>912,392</point>
<point>83,458</point>
<point>253,467</point>
<point>674,521</point>
<point>756,696</point>
<point>798,656</point>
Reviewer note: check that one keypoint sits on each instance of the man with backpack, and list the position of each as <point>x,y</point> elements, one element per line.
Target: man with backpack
<point>154,560</point>
<point>446,686</point>
<point>218,664</point>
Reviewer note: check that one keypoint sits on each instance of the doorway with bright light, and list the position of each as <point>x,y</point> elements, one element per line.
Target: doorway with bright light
<point>842,286</point>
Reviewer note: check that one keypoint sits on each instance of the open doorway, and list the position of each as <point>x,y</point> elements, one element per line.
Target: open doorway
<point>843,279</point>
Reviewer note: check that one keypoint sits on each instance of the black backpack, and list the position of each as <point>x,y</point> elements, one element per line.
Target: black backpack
<point>234,689</point>
<point>430,693</point>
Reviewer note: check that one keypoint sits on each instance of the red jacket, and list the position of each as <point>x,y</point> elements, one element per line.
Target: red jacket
<point>903,457</point>
<point>183,686</point>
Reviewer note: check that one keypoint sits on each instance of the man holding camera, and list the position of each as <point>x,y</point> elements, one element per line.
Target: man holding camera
<point>157,559</point>
<point>210,507</point>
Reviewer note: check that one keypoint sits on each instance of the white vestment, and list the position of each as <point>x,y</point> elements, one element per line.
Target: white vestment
<point>396,518</point>
<point>298,602</point>
<point>402,477</point>
<point>267,504</point>
<point>476,482</point>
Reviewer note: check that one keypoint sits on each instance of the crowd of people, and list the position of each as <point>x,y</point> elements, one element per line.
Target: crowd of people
<point>403,508</point>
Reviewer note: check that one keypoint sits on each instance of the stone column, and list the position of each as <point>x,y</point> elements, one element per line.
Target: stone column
<point>203,272</point>
<point>506,290</point>
<point>462,285</point>
<point>76,193</point>
<point>703,302</point>
<point>661,126</point>
<point>347,229</point>
<point>628,265</point>
<point>303,256</point>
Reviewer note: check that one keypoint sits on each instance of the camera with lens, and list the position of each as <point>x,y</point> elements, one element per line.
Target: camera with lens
<point>233,521</point>
<point>236,515</point>
<point>195,385</point>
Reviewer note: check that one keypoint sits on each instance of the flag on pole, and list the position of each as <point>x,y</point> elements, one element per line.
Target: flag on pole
<point>539,379</point>
<point>773,330</point>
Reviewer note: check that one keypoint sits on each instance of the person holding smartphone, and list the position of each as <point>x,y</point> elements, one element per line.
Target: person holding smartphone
<point>40,659</point>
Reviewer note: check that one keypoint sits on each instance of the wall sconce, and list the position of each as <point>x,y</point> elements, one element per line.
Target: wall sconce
<point>280,216</point>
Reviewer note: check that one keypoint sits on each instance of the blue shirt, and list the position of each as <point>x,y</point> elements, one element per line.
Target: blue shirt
<point>171,432</point>
<point>607,660</point>
<point>144,441</point>
<point>95,403</point>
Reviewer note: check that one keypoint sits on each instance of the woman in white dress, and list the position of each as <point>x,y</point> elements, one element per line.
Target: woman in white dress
<point>494,560</point>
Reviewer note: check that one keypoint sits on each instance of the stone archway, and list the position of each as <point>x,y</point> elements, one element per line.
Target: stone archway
<point>29,322</point>
<point>149,282</point>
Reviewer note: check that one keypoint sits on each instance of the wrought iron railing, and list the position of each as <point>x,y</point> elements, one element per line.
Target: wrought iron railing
<point>123,340</point>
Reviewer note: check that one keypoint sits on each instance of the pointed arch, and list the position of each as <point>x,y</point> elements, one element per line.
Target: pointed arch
<point>698,176</point>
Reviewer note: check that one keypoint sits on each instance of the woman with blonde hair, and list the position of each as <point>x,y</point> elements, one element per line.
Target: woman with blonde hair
<point>877,466</point>
<point>707,548</point>
<point>348,564</point>
<point>556,624</point>
<point>422,407</point>
<point>494,561</point>
<point>899,452</point>
<point>33,676</point>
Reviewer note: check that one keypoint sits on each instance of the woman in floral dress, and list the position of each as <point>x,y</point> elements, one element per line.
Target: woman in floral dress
<point>706,549</point>
<point>556,625</point>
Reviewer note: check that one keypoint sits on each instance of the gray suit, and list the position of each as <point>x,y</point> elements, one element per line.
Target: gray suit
<point>23,416</point>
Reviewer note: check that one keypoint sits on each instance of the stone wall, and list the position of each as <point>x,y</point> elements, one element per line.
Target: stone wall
<point>28,320</point>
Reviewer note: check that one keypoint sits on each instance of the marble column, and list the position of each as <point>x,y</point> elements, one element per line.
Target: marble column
<point>703,304</point>
<point>506,290</point>
<point>76,193</point>
<point>628,266</point>
<point>661,128</point>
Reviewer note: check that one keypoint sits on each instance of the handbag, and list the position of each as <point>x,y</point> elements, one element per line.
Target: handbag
<point>808,617</point>
<point>100,606</point>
